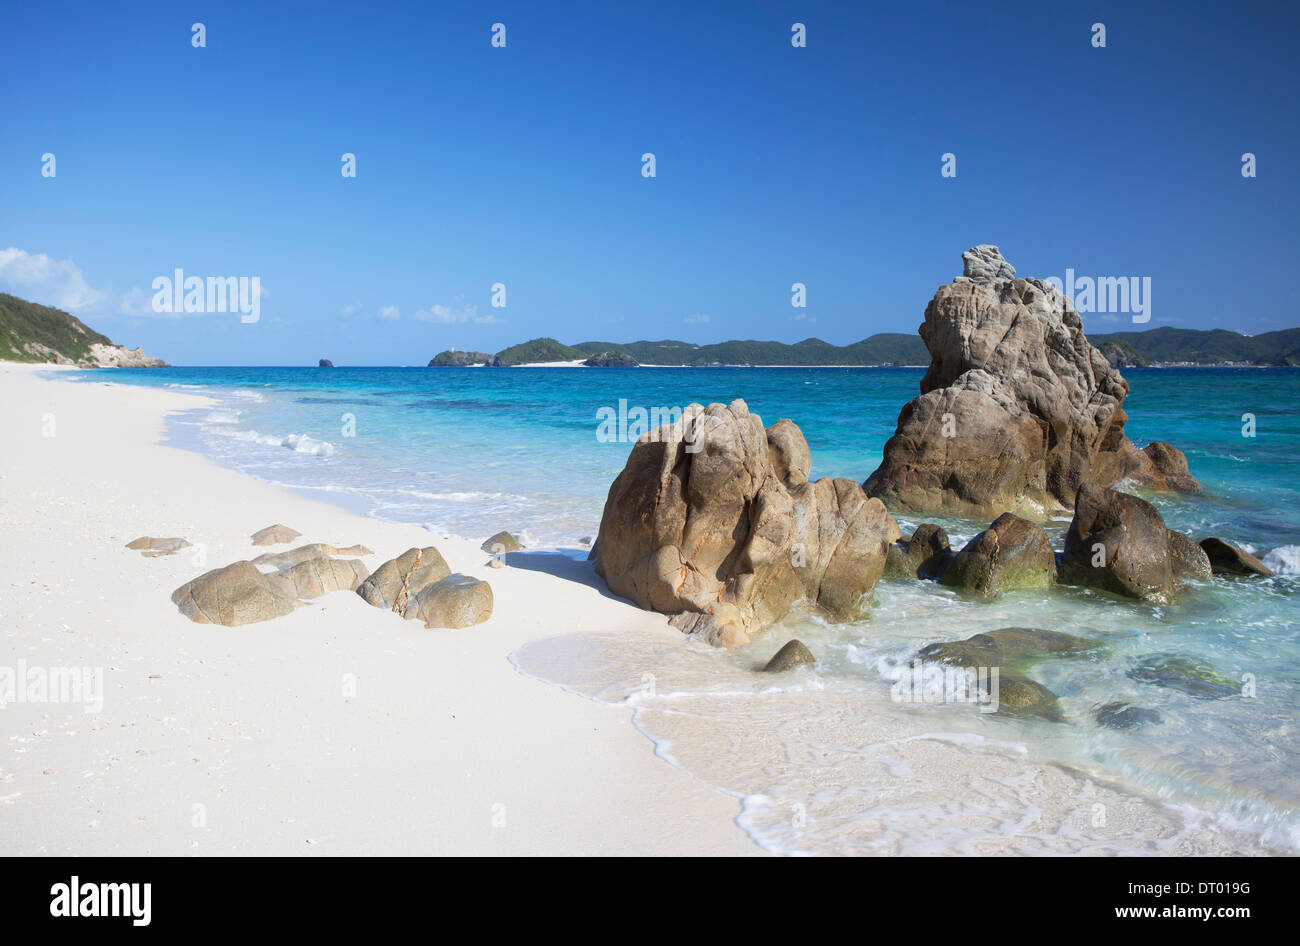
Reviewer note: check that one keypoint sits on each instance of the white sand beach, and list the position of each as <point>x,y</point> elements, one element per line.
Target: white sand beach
<point>245,740</point>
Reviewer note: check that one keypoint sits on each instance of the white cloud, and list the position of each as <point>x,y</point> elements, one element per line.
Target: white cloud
<point>388,313</point>
<point>351,310</point>
<point>136,302</point>
<point>453,314</point>
<point>46,281</point>
<point>697,319</point>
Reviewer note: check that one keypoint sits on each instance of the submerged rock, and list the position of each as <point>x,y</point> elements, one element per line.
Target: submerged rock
<point>1020,696</point>
<point>1017,409</point>
<point>1227,559</point>
<point>152,547</point>
<point>1012,553</point>
<point>501,543</point>
<point>1122,716</point>
<point>1010,646</point>
<point>306,553</point>
<point>713,519</point>
<point>275,535</point>
<point>791,654</point>
<point>1118,543</point>
<point>316,576</point>
<point>1186,675</point>
<point>925,555</point>
<point>233,595</point>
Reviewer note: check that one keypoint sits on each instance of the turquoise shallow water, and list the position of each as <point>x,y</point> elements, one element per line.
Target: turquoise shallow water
<point>472,451</point>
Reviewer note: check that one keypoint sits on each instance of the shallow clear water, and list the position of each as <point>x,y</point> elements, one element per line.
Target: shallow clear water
<point>824,760</point>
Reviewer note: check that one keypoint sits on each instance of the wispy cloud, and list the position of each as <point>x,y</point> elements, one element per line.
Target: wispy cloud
<point>388,313</point>
<point>454,314</point>
<point>38,278</point>
<point>698,318</point>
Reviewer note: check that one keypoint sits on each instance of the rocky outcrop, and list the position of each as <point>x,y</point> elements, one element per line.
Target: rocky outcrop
<point>1187,559</point>
<point>1011,554</point>
<point>233,595</point>
<point>418,585</point>
<point>925,555</point>
<point>612,359</point>
<point>792,654</point>
<point>1017,410</point>
<point>317,576</point>
<point>305,553</point>
<point>1119,543</point>
<point>465,359</point>
<point>1226,559</point>
<point>152,547</point>
<point>1162,466</point>
<point>713,520</point>
<point>325,363</point>
<point>275,535</point>
<point>119,356</point>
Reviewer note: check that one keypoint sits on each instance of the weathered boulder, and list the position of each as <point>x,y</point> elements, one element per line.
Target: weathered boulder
<point>455,601</point>
<point>305,553</point>
<point>153,547</point>
<point>233,595</point>
<point>713,519</point>
<point>275,535</point>
<point>1185,674</point>
<point>316,576</point>
<point>791,654</point>
<point>1118,543</point>
<point>1017,695</point>
<point>925,555</point>
<point>501,543</point>
<point>325,363</point>
<point>1187,559</point>
<point>1017,410</point>
<point>1011,554</point>
<point>1226,559</point>
<point>396,583</point>
<point>1165,467</point>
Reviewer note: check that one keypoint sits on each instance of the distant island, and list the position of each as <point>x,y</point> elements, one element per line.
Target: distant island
<point>1160,347</point>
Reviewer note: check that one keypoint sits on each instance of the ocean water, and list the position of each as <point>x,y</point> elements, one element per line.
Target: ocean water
<point>825,760</point>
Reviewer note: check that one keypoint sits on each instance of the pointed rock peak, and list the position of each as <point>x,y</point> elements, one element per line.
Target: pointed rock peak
<point>985,262</point>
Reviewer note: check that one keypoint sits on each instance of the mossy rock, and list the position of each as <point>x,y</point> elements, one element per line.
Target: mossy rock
<point>1008,646</point>
<point>1185,674</point>
<point>1122,716</point>
<point>1019,696</point>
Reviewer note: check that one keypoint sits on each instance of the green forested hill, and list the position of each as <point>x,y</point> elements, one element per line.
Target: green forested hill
<point>31,332</point>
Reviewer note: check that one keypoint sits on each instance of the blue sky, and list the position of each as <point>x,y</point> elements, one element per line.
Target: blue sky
<point>521,165</point>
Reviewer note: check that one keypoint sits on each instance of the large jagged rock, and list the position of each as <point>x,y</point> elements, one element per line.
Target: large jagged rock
<point>1119,543</point>
<point>1011,554</point>
<point>317,576</point>
<point>713,520</point>
<point>1017,410</point>
<point>233,595</point>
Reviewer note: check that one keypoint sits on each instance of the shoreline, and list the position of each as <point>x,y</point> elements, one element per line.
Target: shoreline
<point>239,740</point>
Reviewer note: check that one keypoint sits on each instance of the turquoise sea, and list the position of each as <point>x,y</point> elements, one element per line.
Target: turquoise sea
<point>825,761</point>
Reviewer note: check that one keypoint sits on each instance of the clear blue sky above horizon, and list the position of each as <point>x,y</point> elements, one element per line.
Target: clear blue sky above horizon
<point>521,165</point>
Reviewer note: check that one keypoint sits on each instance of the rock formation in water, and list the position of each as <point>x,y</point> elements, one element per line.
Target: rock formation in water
<point>1119,543</point>
<point>1011,554</point>
<point>325,363</point>
<point>614,359</point>
<point>1017,410</point>
<point>713,520</point>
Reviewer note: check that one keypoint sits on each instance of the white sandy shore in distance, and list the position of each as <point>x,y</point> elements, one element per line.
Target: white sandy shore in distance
<point>218,740</point>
